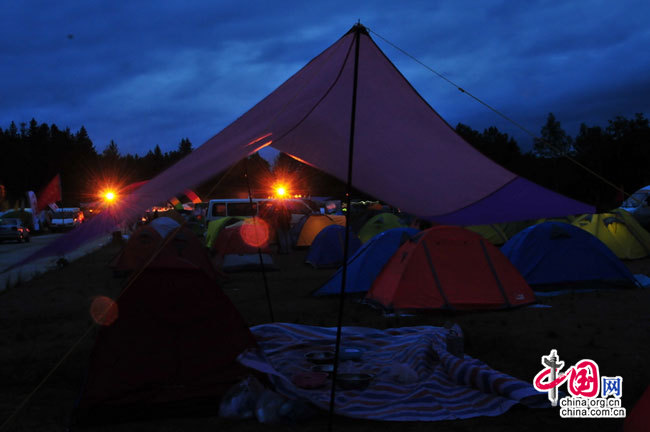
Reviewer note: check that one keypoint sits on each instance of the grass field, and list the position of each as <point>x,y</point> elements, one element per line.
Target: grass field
<point>43,322</point>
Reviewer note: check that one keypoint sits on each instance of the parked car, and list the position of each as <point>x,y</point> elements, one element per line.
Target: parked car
<point>66,218</point>
<point>13,229</point>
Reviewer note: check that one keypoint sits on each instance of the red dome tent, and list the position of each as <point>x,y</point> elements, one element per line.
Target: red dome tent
<point>148,239</point>
<point>447,267</point>
<point>175,341</point>
<point>233,253</point>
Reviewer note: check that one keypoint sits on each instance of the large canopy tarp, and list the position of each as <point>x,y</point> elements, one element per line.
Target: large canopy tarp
<point>404,152</point>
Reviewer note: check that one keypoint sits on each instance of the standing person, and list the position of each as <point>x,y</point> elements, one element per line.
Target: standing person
<point>283,225</point>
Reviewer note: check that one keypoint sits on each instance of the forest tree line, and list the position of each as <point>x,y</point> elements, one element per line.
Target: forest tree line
<point>32,154</point>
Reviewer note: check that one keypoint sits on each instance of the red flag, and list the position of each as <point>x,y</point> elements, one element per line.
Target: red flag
<point>50,194</point>
<point>132,187</point>
<point>192,196</point>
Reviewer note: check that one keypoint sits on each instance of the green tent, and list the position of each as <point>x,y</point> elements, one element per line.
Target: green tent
<point>512,228</point>
<point>565,219</point>
<point>378,224</point>
<point>492,233</point>
<point>215,226</point>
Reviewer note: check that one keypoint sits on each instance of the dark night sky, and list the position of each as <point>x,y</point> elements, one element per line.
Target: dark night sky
<point>153,72</point>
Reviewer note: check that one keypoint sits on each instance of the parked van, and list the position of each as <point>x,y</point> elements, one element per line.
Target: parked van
<point>219,208</point>
<point>66,218</point>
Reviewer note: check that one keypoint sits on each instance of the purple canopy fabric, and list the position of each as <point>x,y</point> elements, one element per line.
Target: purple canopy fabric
<point>404,153</point>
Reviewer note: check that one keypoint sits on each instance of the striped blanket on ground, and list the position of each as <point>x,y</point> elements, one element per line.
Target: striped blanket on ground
<point>415,378</point>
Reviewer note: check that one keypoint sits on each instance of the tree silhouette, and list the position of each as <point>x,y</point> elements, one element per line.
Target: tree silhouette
<point>184,147</point>
<point>494,144</point>
<point>33,153</point>
<point>554,141</point>
<point>111,152</point>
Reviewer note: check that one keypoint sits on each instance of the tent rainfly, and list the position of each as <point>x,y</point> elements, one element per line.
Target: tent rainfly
<point>404,153</point>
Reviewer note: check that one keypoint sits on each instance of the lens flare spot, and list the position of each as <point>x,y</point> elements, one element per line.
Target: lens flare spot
<point>255,232</point>
<point>103,310</point>
<point>281,191</point>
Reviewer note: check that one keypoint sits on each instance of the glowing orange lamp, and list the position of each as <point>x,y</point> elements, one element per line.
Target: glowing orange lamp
<point>280,191</point>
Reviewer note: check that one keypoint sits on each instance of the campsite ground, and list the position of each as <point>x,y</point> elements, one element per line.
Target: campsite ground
<point>42,320</point>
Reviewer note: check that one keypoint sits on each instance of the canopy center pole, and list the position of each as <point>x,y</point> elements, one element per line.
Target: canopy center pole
<point>259,248</point>
<point>358,28</point>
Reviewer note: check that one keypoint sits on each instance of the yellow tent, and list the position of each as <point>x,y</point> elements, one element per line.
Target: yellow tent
<point>492,233</point>
<point>619,231</point>
<point>315,224</point>
<point>377,224</point>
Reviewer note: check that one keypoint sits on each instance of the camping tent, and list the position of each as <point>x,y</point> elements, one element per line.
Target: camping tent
<point>327,248</point>
<point>512,228</point>
<point>310,118</point>
<point>231,241</point>
<point>314,224</point>
<point>172,214</point>
<point>619,231</point>
<point>367,262</point>
<point>164,225</point>
<point>447,267</point>
<point>378,223</point>
<point>234,253</point>
<point>638,418</point>
<point>360,214</point>
<point>491,232</point>
<point>215,226</point>
<point>638,205</point>
<point>566,219</point>
<point>555,253</point>
<point>149,238</point>
<point>176,338</point>
<point>141,245</point>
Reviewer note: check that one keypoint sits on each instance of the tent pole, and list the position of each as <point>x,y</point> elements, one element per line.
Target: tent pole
<point>348,190</point>
<point>259,249</point>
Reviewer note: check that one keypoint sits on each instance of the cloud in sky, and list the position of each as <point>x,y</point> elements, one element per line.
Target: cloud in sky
<point>147,73</point>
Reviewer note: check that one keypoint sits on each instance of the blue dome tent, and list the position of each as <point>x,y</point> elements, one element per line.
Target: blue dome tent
<point>365,265</point>
<point>327,248</point>
<point>554,255</point>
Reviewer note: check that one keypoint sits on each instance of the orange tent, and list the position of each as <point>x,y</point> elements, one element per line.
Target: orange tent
<point>447,267</point>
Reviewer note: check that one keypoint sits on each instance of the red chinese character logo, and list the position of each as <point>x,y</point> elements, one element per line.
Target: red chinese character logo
<point>584,379</point>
